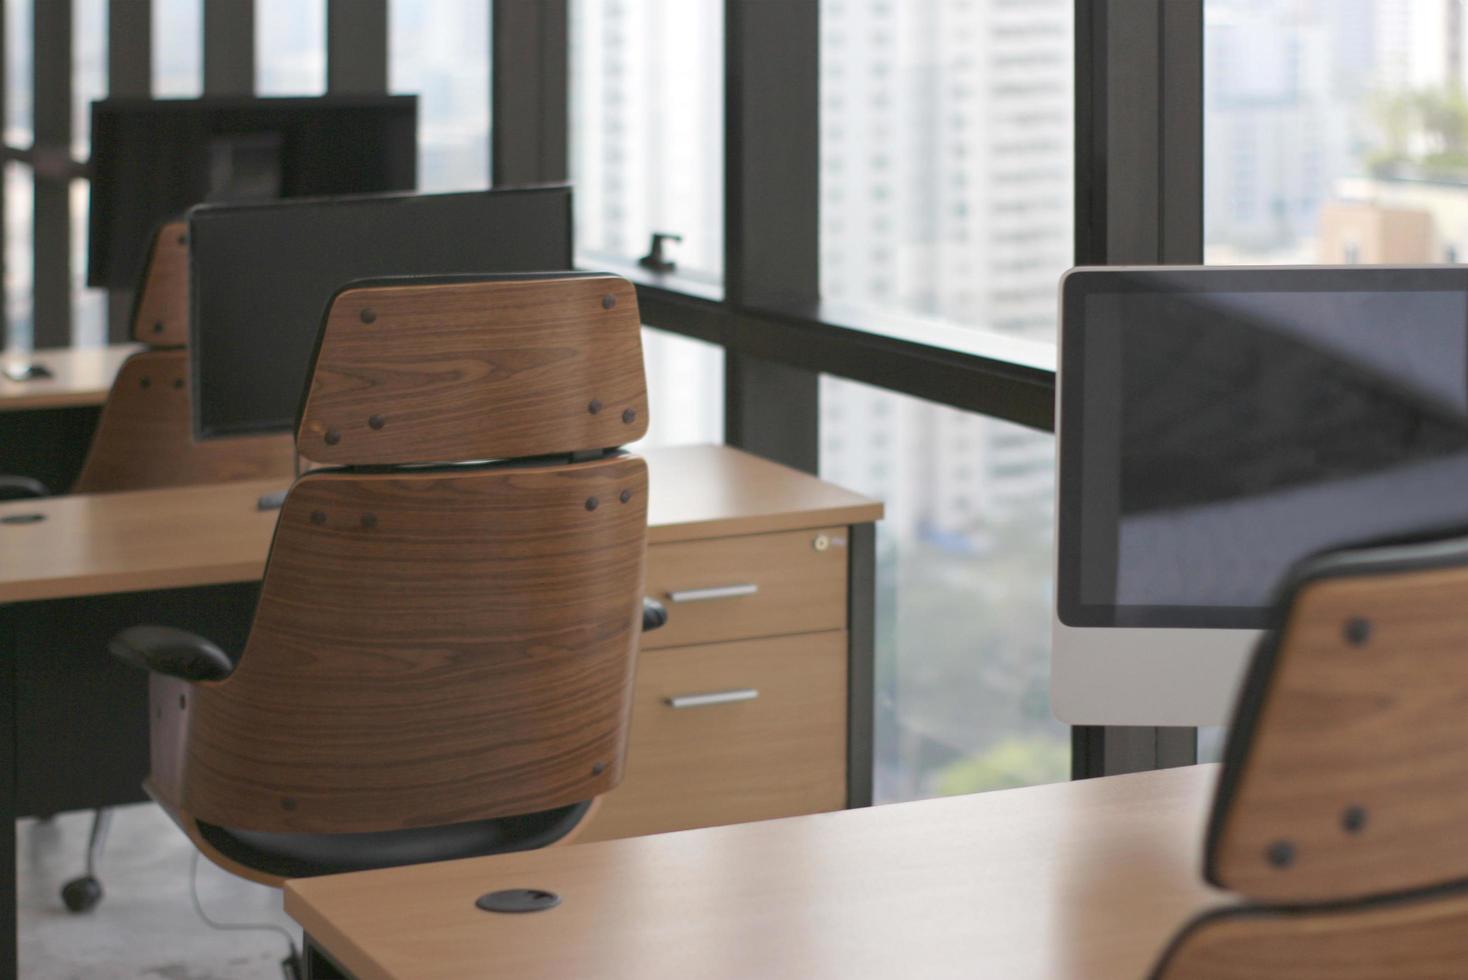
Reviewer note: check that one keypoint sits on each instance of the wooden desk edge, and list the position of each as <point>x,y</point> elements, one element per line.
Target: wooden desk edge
<point>1196,781</point>
<point>59,392</point>
<point>330,939</point>
<point>54,399</point>
<point>725,527</point>
<point>144,580</point>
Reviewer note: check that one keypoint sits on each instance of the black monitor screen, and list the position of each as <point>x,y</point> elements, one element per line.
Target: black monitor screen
<point>262,275</point>
<point>1220,425</point>
<point>152,159</point>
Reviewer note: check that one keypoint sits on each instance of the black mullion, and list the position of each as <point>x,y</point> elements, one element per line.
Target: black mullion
<point>51,118</point>
<point>129,73</point>
<point>356,46</point>
<point>1004,389</point>
<point>229,47</point>
<point>529,92</point>
<point>771,219</point>
<point>1139,180</point>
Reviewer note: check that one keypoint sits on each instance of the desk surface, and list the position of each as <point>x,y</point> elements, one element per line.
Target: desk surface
<point>1080,880</point>
<point>81,376</point>
<point>92,544</point>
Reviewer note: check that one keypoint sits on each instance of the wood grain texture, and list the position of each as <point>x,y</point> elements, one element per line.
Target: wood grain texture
<point>1417,939</point>
<point>1076,881</point>
<point>476,370</point>
<point>97,544</point>
<point>161,318</point>
<point>144,437</point>
<point>429,648</point>
<point>1381,726</point>
<point>782,754</point>
<point>719,491</point>
<point>81,376</point>
<point>800,589</point>
<point>94,544</point>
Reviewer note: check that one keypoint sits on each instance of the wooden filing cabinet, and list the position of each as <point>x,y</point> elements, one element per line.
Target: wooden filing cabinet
<point>741,699</point>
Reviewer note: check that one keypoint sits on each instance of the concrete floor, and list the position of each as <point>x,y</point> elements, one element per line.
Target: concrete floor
<point>145,926</point>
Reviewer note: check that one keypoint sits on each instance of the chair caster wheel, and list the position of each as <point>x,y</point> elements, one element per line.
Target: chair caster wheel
<point>82,894</point>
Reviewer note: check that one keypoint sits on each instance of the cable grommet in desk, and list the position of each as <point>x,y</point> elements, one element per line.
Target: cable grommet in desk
<point>517,900</point>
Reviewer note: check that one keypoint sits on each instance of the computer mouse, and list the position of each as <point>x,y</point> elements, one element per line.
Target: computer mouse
<point>27,372</point>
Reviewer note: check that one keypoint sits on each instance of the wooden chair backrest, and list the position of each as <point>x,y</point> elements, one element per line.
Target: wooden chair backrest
<point>1423,937</point>
<point>161,310</point>
<point>1346,771</point>
<point>439,645</point>
<point>144,436</point>
<point>429,648</point>
<point>429,371</point>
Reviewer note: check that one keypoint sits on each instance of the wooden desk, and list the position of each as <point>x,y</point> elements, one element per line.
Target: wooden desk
<point>1078,881</point>
<point>94,544</point>
<point>46,424</point>
<point>80,376</point>
<point>800,634</point>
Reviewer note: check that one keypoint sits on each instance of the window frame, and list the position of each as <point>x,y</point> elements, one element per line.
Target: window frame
<point>1138,199</point>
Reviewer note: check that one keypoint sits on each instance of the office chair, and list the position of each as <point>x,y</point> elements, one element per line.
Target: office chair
<point>144,441</point>
<point>441,661</point>
<point>144,438</point>
<point>1341,814</point>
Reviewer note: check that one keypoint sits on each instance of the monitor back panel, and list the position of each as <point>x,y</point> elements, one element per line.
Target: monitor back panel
<point>153,159</point>
<point>262,276</point>
<point>1218,425</point>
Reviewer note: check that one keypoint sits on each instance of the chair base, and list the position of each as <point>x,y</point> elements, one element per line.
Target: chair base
<point>223,847</point>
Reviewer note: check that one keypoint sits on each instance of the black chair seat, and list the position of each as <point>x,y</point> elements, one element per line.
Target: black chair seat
<point>308,855</point>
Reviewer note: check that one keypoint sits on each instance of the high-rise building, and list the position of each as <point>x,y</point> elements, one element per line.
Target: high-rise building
<point>946,194</point>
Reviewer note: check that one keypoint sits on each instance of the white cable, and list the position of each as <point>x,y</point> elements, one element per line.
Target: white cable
<point>290,941</point>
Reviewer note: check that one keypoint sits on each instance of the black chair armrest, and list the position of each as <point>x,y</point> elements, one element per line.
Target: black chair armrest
<point>18,487</point>
<point>174,652</point>
<point>654,615</point>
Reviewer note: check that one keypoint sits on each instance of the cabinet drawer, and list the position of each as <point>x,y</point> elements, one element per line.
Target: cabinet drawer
<point>757,585</point>
<point>732,757</point>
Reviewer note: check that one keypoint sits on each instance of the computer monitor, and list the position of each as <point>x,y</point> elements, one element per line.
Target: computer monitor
<point>1217,425</point>
<point>152,159</point>
<point>261,276</point>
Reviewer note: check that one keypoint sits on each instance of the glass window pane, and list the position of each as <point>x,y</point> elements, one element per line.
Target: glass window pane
<point>18,97</point>
<point>647,129</point>
<point>439,51</point>
<point>1335,132</point>
<point>18,182</point>
<point>178,48</point>
<point>88,69</point>
<point>685,390</point>
<point>1210,743</point>
<point>88,83</point>
<point>947,160</point>
<point>964,590</point>
<point>19,256</point>
<point>290,47</point>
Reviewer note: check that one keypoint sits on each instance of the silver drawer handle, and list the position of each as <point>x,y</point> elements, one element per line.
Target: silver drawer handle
<point>718,697</point>
<point>717,592</point>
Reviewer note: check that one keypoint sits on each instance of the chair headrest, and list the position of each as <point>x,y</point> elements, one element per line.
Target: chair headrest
<point>161,310</point>
<point>1346,770</point>
<point>420,370</point>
